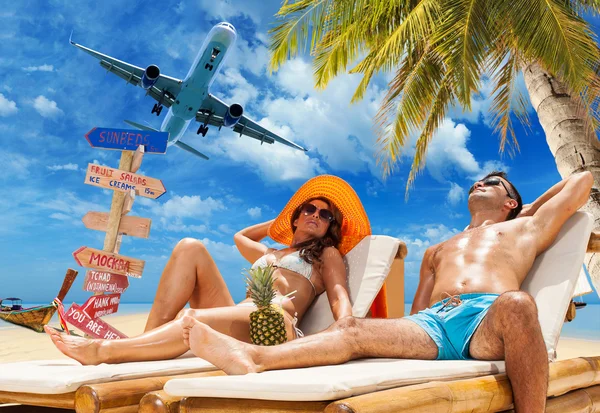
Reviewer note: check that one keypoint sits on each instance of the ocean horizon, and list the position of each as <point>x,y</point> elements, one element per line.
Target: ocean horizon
<point>585,326</point>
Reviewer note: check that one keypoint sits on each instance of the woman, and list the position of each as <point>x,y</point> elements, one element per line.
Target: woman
<point>322,221</point>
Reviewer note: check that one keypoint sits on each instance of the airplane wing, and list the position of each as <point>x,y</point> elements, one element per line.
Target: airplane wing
<point>133,74</point>
<point>213,111</point>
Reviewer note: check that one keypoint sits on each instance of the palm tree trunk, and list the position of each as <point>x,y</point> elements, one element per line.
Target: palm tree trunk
<point>572,141</point>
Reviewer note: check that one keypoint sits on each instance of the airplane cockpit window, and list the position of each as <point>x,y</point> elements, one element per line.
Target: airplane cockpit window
<point>215,53</point>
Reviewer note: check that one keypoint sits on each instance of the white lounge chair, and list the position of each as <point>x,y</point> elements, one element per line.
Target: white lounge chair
<point>551,282</point>
<point>67,384</point>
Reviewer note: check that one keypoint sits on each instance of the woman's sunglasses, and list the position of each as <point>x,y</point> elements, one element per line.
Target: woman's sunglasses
<point>492,182</point>
<point>309,209</point>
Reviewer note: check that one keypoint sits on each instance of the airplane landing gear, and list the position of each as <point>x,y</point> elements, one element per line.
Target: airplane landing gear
<point>202,130</point>
<point>157,109</point>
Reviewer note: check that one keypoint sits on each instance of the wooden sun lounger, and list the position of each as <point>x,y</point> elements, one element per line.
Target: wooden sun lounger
<point>124,396</point>
<point>574,386</point>
<point>112,397</point>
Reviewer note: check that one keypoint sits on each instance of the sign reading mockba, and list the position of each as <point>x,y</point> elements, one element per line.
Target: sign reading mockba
<point>118,180</point>
<point>100,305</point>
<point>105,282</point>
<point>95,328</point>
<point>107,262</point>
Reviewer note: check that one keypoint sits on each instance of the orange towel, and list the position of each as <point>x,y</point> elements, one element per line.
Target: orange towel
<point>379,307</point>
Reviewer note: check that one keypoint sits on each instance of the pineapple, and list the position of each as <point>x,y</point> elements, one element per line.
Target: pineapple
<point>267,325</point>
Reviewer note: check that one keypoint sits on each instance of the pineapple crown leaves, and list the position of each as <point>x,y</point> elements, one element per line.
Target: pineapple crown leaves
<point>259,282</point>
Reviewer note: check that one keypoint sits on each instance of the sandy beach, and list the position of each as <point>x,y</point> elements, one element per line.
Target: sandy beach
<point>19,344</point>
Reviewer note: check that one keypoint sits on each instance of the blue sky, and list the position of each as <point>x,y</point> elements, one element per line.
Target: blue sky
<point>51,94</point>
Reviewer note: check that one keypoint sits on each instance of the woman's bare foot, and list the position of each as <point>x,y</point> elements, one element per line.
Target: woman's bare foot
<point>228,354</point>
<point>81,349</point>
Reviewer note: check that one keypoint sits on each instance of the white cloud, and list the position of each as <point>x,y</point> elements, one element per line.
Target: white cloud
<point>69,204</point>
<point>224,228</point>
<point>241,91</point>
<point>226,9</point>
<point>220,250</point>
<point>61,217</point>
<point>7,107</point>
<point>67,167</point>
<point>46,107</point>
<point>187,207</point>
<point>42,68</point>
<point>456,194</point>
<point>254,212</point>
<point>14,165</point>
<point>176,225</point>
<point>448,155</point>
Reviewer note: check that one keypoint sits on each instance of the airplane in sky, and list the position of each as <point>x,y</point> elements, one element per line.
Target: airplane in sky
<point>189,98</point>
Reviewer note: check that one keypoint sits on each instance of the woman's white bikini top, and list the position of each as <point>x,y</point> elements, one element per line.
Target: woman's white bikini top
<point>292,262</point>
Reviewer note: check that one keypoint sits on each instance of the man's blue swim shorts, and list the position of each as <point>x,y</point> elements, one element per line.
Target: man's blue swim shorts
<point>452,322</point>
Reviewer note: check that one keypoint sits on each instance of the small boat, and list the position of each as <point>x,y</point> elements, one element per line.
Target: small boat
<point>35,317</point>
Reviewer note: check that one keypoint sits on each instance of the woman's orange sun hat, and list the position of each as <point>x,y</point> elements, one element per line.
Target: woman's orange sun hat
<point>355,225</point>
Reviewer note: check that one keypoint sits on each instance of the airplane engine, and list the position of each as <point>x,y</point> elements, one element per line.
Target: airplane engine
<point>150,76</point>
<point>233,115</point>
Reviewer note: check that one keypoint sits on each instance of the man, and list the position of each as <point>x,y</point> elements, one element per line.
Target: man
<point>469,285</point>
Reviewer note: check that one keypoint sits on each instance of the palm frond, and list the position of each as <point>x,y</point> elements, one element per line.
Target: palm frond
<point>507,99</point>
<point>437,113</point>
<point>405,107</point>
<point>561,40</point>
<point>463,38</point>
<point>303,20</point>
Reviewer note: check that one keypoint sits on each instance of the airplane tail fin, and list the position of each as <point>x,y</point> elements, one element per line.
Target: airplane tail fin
<point>140,126</point>
<point>191,150</point>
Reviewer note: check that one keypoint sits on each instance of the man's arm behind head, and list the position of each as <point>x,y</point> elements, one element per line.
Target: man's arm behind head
<point>548,219</point>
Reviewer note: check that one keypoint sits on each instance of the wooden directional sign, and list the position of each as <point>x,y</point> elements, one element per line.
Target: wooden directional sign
<point>133,226</point>
<point>128,140</point>
<point>111,178</point>
<point>101,305</point>
<point>105,282</point>
<point>107,262</point>
<point>95,328</point>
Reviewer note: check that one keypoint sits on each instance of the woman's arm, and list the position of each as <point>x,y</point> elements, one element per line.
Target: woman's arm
<point>247,241</point>
<point>333,271</point>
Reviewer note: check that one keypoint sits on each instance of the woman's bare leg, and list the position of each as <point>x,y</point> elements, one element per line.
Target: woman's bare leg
<point>162,343</point>
<point>190,275</point>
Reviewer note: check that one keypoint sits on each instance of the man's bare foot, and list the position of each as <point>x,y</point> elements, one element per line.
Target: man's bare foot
<point>228,354</point>
<point>81,349</point>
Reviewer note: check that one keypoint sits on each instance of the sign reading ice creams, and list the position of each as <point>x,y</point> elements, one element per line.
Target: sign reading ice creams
<point>111,178</point>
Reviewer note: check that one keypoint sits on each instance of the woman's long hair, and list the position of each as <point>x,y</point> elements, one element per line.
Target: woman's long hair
<point>312,249</point>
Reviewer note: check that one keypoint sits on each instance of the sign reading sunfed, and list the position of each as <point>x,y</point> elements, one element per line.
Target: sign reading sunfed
<point>128,140</point>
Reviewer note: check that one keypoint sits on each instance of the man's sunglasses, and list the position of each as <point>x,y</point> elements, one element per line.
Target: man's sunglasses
<point>309,209</point>
<point>492,182</point>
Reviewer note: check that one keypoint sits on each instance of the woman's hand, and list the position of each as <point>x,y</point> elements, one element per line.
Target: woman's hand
<point>248,241</point>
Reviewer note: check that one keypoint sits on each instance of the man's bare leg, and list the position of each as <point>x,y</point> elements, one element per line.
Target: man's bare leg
<point>348,339</point>
<point>511,331</point>
<point>162,343</point>
<point>190,275</point>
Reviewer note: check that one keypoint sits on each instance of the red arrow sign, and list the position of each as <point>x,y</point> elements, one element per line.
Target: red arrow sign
<point>101,305</point>
<point>105,282</point>
<point>107,262</point>
<point>95,328</point>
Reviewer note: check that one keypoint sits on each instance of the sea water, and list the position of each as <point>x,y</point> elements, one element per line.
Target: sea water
<point>585,326</point>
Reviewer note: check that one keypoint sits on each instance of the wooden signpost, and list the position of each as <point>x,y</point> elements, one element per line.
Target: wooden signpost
<point>111,178</point>
<point>94,328</point>
<point>99,305</point>
<point>105,282</point>
<point>109,271</point>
